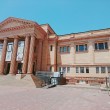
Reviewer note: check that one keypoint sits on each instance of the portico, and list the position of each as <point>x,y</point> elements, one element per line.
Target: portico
<point>19,42</point>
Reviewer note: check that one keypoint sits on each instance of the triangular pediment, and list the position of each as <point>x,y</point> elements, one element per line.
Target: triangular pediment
<point>13,22</point>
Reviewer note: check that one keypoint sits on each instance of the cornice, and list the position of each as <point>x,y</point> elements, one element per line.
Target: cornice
<point>85,38</point>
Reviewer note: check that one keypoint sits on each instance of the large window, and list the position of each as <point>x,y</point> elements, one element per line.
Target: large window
<point>80,48</point>
<point>101,46</point>
<point>65,49</point>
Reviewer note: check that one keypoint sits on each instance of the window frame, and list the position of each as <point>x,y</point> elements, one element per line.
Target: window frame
<point>77,69</point>
<point>103,71</point>
<point>64,49</point>
<point>84,47</point>
<point>97,69</point>
<point>82,70</point>
<point>68,69</point>
<point>97,45</point>
<point>87,69</point>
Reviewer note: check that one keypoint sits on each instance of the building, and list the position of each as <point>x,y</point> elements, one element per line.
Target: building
<point>27,47</point>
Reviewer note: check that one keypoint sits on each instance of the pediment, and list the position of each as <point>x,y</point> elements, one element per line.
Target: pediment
<point>13,22</point>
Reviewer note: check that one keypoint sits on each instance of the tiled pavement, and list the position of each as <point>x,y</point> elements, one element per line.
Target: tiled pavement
<point>58,98</point>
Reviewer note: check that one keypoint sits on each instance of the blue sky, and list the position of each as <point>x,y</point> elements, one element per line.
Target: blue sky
<point>64,16</point>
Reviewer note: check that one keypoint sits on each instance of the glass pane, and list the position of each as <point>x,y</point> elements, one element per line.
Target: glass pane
<point>77,69</point>
<point>81,47</point>
<point>85,46</point>
<point>87,69</point>
<point>68,49</point>
<point>68,69</point>
<point>1,46</point>
<point>102,69</point>
<point>101,45</point>
<point>65,49</point>
<point>97,69</point>
<point>64,69</point>
<point>51,47</point>
<point>59,69</point>
<point>106,45</point>
<point>61,49</point>
<point>81,69</point>
<point>96,46</point>
<point>108,68</point>
<point>76,48</point>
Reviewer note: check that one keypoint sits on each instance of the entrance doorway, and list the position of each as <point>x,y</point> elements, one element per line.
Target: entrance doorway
<point>7,68</point>
<point>19,68</point>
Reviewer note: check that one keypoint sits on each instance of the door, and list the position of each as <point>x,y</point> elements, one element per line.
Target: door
<point>19,68</point>
<point>7,68</point>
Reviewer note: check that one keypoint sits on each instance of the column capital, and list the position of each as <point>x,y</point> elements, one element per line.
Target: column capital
<point>16,37</point>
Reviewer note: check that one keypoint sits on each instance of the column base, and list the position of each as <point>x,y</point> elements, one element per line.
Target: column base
<point>20,76</point>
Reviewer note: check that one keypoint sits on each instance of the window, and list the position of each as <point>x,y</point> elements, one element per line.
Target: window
<point>1,46</point>
<point>59,69</point>
<point>81,69</point>
<point>61,49</point>
<point>68,49</point>
<point>51,48</point>
<point>97,69</point>
<point>80,48</point>
<point>10,46</point>
<point>87,69</point>
<point>64,69</point>
<point>65,49</point>
<point>103,70</point>
<point>50,68</point>
<point>68,69</point>
<point>77,69</point>
<point>108,68</point>
<point>101,46</point>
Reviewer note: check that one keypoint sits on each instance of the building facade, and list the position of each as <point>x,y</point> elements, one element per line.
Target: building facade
<point>27,47</point>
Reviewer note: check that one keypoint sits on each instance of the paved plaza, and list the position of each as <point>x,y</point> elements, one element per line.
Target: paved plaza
<point>57,98</point>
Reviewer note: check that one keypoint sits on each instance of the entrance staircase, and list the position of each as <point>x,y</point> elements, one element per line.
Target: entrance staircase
<point>28,80</point>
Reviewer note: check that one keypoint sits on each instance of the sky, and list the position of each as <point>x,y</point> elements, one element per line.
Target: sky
<point>64,16</point>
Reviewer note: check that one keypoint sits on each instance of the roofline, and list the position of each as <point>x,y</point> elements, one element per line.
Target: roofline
<point>84,32</point>
<point>49,26</point>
